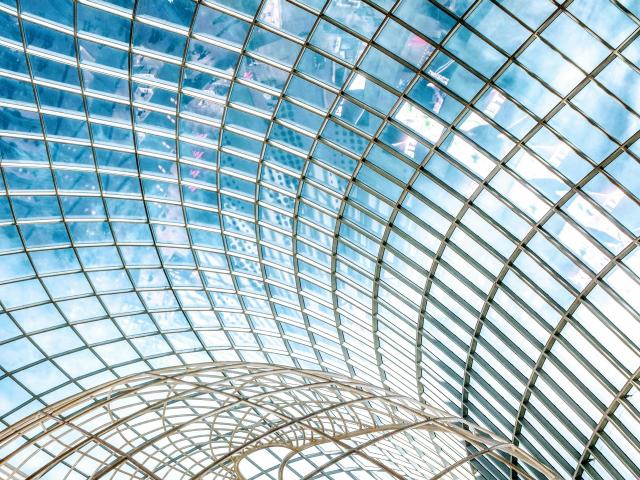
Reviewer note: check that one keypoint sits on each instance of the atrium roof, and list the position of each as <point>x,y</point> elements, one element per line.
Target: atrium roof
<point>438,197</point>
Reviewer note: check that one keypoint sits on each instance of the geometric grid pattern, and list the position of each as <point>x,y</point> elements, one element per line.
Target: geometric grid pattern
<point>250,421</point>
<point>439,197</point>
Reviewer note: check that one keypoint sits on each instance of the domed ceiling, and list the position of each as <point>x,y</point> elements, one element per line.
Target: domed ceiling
<point>437,197</point>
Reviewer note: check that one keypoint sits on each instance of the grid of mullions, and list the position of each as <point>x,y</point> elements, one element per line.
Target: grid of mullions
<point>439,197</point>
<point>212,420</point>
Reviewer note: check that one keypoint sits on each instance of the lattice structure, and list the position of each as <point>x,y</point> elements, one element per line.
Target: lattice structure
<point>440,197</point>
<point>223,421</point>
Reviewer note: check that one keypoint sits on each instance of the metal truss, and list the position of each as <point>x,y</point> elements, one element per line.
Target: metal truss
<point>440,197</point>
<point>231,420</point>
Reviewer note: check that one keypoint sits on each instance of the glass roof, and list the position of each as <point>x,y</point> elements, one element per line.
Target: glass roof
<point>439,197</point>
<point>238,421</point>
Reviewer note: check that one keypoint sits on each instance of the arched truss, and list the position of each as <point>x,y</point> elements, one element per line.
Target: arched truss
<point>436,196</point>
<point>217,421</point>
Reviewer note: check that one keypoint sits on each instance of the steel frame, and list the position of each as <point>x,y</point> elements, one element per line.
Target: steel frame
<point>379,360</point>
<point>278,406</point>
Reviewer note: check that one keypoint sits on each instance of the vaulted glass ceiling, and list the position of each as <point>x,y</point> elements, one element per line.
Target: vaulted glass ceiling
<point>238,421</point>
<point>440,197</point>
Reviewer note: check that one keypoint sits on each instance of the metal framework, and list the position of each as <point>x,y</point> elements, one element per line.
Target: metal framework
<point>232,420</point>
<point>440,197</point>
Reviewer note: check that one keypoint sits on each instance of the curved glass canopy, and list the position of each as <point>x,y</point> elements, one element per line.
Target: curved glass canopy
<point>438,197</point>
<point>250,422</point>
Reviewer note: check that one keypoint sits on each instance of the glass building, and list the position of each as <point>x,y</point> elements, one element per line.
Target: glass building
<point>436,197</point>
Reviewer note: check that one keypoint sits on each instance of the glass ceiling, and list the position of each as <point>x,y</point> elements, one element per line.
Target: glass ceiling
<point>238,421</point>
<point>439,197</point>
